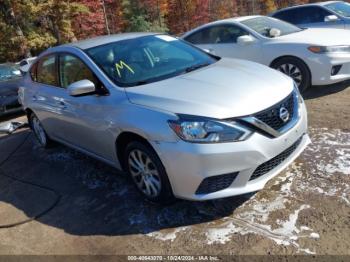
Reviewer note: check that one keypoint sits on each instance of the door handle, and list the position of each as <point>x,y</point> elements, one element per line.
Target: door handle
<point>34,98</point>
<point>61,105</point>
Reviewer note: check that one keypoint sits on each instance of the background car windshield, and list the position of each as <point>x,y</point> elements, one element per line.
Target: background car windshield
<point>9,72</point>
<point>263,25</point>
<point>340,8</point>
<point>147,59</point>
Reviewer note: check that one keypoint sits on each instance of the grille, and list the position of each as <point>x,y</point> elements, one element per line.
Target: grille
<point>216,183</point>
<point>274,162</point>
<point>271,116</point>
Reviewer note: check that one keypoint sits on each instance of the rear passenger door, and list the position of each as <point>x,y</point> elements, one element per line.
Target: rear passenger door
<point>45,93</point>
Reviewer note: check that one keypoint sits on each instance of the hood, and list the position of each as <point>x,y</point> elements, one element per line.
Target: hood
<point>319,36</point>
<point>227,88</point>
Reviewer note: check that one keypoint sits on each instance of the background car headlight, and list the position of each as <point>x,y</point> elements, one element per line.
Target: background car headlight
<point>329,49</point>
<point>201,130</point>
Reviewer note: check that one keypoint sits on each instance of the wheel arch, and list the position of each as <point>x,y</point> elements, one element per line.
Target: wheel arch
<point>124,139</point>
<point>294,57</point>
<point>28,112</point>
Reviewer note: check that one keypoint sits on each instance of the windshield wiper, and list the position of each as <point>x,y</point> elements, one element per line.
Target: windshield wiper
<point>195,67</point>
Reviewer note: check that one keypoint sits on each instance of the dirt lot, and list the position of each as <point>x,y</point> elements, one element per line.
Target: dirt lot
<point>304,210</point>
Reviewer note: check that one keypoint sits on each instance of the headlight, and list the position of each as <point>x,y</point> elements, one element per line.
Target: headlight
<point>202,130</point>
<point>329,49</point>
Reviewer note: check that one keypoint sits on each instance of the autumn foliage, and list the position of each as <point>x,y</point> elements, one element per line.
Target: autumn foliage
<point>29,26</point>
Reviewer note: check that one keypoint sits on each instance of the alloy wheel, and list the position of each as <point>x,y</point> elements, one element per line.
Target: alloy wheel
<point>144,173</point>
<point>293,71</point>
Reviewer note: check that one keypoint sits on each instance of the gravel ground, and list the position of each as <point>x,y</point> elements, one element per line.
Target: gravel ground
<point>304,210</point>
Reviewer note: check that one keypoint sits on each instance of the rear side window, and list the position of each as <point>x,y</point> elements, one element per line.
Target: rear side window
<point>32,72</point>
<point>47,71</point>
<point>72,69</point>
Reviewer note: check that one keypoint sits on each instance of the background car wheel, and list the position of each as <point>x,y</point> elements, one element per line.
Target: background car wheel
<point>148,173</point>
<point>39,131</point>
<point>296,69</point>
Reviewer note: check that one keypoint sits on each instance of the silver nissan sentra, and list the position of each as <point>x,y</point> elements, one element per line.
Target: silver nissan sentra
<point>182,123</point>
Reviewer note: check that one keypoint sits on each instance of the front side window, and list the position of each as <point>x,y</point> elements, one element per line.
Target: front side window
<point>221,34</point>
<point>340,8</point>
<point>311,14</point>
<point>147,59</point>
<point>72,69</point>
<point>226,34</point>
<point>46,71</point>
<point>263,25</point>
<point>200,37</point>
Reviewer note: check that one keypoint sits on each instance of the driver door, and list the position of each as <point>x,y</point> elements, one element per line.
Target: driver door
<point>221,40</point>
<point>82,117</point>
<point>224,43</point>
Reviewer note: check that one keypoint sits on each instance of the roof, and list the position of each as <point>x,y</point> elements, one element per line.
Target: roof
<point>309,4</point>
<point>101,40</point>
<point>227,20</point>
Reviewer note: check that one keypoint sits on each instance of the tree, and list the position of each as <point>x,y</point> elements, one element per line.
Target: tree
<point>58,15</point>
<point>91,23</point>
<point>138,16</point>
<point>30,26</point>
<point>12,37</point>
<point>269,6</point>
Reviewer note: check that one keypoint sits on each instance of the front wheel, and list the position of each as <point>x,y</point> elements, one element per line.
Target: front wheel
<point>296,69</point>
<point>147,172</point>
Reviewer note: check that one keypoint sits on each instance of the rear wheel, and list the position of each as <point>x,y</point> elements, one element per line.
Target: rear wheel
<point>296,69</point>
<point>147,172</point>
<point>39,131</point>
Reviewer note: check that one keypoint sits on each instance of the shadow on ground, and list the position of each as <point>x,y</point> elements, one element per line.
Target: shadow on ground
<point>319,91</point>
<point>97,199</point>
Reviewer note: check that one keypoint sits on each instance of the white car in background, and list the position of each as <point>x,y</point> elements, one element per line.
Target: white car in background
<point>310,56</point>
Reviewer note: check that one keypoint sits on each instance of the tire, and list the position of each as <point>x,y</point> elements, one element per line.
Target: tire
<point>147,173</point>
<point>39,131</point>
<point>296,69</point>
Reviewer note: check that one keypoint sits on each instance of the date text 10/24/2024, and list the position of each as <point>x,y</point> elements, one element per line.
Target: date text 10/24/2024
<point>172,258</point>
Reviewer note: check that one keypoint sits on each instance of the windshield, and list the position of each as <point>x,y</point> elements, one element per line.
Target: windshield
<point>147,59</point>
<point>9,73</point>
<point>340,8</point>
<point>263,26</point>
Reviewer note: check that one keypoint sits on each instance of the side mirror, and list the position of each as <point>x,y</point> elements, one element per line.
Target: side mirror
<point>245,40</point>
<point>331,18</point>
<point>82,87</point>
<point>274,32</point>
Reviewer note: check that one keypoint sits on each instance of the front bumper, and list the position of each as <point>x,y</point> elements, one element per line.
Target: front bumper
<point>189,164</point>
<point>321,66</point>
